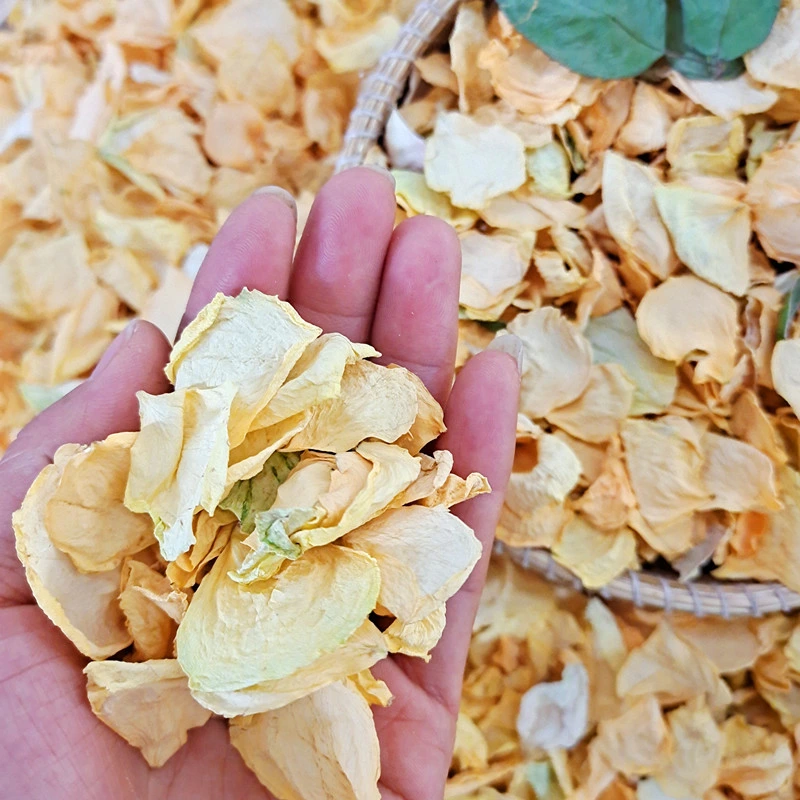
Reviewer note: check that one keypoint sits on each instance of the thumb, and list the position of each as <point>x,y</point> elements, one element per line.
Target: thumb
<point>104,404</point>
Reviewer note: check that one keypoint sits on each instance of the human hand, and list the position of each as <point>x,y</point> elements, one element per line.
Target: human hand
<point>397,290</point>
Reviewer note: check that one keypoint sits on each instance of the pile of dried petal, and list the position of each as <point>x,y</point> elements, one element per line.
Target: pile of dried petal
<point>128,132</point>
<point>640,237</point>
<point>228,557</point>
<point>569,699</point>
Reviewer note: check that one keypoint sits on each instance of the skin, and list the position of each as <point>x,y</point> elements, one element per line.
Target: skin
<point>353,273</point>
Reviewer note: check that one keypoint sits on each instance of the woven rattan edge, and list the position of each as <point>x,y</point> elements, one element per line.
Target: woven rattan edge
<point>381,89</point>
<point>649,589</point>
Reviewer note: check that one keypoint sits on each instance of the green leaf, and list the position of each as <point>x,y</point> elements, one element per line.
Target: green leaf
<point>598,38</point>
<point>727,29</point>
<point>686,59</point>
<point>703,68</point>
<point>788,312</point>
<point>247,498</point>
<point>493,325</point>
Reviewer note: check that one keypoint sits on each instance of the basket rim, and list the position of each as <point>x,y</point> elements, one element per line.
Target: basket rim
<point>378,95</point>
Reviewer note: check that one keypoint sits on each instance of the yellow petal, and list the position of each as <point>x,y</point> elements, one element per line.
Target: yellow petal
<point>211,536</point>
<point>42,275</point>
<point>710,233</point>
<point>416,197</point>
<point>364,648</point>
<point>638,742</point>
<point>595,556</point>
<point>756,762</point>
<point>774,61</point>
<point>209,352</point>
<point>687,319</point>
<point>739,477</point>
<point>694,763</point>
<point>468,37</point>
<point>492,271</point>
<point>775,555</point>
<point>424,556</point>
<point>673,671</point>
<point>772,194</point>
<point>147,704</point>
<point>152,610</point>
<point>416,638</point>
<point>179,460</point>
<point>236,636</point>
<point>558,361</point>
<point>615,340</point>
<point>374,402</point>
<point>85,516</point>
<point>632,217</point>
<point>665,462</point>
<point>597,414</point>
<point>705,146</point>
<point>83,605</point>
<point>786,371</point>
<point>473,163</point>
<point>338,721</point>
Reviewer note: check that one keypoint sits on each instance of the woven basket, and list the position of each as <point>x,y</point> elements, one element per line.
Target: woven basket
<point>378,95</point>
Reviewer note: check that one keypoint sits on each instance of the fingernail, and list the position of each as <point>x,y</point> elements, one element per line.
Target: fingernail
<point>512,345</point>
<point>279,194</point>
<point>116,347</point>
<point>381,170</point>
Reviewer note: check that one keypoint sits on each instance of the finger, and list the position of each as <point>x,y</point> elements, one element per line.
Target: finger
<point>416,318</point>
<point>252,250</point>
<point>104,404</point>
<point>337,270</point>
<point>481,422</point>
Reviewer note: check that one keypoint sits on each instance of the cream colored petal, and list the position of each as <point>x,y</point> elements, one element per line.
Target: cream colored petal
<point>374,691</point>
<point>710,234</point>
<point>210,351</point>
<point>179,460</point>
<point>756,762</point>
<point>492,271</point>
<point>211,536</point>
<point>595,556</point>
<point>774,61</point>
<point>473,163</point>
<point>705,145</point>
<point>85,517</point>
<point>152,610</point>
<point>457,490</point>
<point>336,725</point>
<point>235,636</point>
<point>632,216</point>
<point>364,648</point>
<point>687,319</point>
<point>429,422</point>
<point>648,123</point>
<point>315,378</point>
<point>672,670</point>
<point>775,553</point>
<point>83,606</point>
<point>638,742</point>
<point>555,715</point>
<point>609,500</point>
<point>773,195</point>
<point>424,556</point>
<point>557,364</point>
<point>693,765</point>
<point>786,371</point>
<point>727,99</point>
<point>147,704</point>
<point>665,461</point>
<point>468,37</point>
<point>374,402</point>
<point>597,414</point>
<point>739,477</point>
<point>417,638</point>
<point>615,340</point>
<point>416,197</point>
<point>471,750</point>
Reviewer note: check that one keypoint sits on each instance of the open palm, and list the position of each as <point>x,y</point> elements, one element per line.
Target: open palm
<point>352,273</point>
